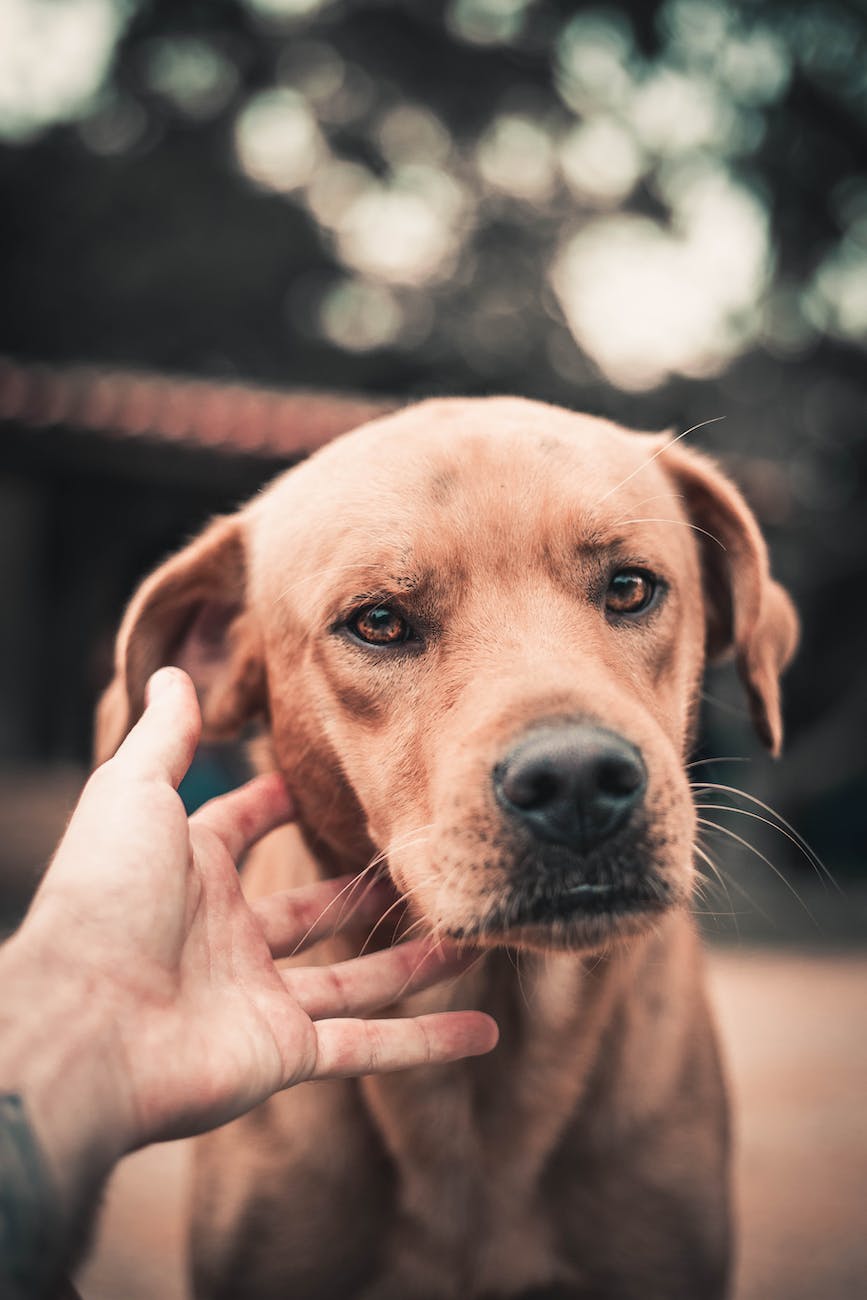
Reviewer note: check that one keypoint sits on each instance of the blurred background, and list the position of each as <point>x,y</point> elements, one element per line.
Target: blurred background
<point>230,229</point>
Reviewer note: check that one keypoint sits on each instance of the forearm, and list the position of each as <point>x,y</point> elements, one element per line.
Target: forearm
<point>60,1125</point>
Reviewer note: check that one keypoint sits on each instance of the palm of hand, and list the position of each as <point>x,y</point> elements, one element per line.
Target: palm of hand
<point>154,923</point>
<point>223,1032</point>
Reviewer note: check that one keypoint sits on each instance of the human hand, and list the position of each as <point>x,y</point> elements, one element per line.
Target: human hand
<point>150,982</point>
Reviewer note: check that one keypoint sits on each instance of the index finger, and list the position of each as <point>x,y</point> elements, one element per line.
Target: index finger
<point>162,743</point>
<point>244,815</point>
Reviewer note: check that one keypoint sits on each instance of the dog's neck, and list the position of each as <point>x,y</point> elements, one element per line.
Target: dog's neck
<point>589,1045</point>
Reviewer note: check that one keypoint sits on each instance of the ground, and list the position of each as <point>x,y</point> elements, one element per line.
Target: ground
<point>794,1025</point>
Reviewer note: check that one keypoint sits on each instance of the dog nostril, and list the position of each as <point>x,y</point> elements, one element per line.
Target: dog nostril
<point>530,787</point>
<point>619,775</point>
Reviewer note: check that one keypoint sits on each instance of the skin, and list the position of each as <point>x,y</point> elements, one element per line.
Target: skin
<point>588,1156</point>
<point>161,1012</point>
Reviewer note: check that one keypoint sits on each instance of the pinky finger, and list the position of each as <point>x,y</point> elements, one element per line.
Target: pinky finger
<point>351,1047</point>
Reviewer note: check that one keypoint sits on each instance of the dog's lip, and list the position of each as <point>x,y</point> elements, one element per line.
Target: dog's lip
<point>587,887</point>
<point>583,902</point>
<point>587,898</point>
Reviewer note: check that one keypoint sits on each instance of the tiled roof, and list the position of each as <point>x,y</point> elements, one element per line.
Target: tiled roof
<point>234,418</point>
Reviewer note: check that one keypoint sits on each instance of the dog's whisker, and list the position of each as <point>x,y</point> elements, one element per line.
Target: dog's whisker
<point>380,857</point>
<point>352,884</point>
<point>714,420</point>
<point>399,902</point>
<point>423,920</point>
<point>371,877</point>
<point>705,883</point>
<point>781,825</point>
<point>710,892</point>
<point>766,821</point>
<point>702,893</point>
<point>737,710</point>
<point>727,880</point>
<point>476,962</point>
<point>402,841</point>
<point>368,871</point>
<point>645,501</point>
<point>397,842</point>
<point>705,857</point>
<point>520,979</point>
<point>436,942</point>
<point>379,921</point>
<point>716,916</point>
<point>705,762</point>
<point>418,926</point>
<point>739,839</point>
<point>681,523</point>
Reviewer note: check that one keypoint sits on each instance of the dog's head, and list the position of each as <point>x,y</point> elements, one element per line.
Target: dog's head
<point>476,630</point>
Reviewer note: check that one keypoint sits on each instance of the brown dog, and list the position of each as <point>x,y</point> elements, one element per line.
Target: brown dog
<point>475,632</point>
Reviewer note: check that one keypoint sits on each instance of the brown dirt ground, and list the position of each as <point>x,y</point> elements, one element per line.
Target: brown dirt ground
<point>795,1029</point>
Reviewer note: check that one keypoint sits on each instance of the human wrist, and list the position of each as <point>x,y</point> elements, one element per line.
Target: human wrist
<point>58,1054</point>
<point>35,1236</point>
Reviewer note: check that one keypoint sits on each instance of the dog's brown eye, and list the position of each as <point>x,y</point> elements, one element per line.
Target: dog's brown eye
<point>380,625</point>
<point>629,592</point>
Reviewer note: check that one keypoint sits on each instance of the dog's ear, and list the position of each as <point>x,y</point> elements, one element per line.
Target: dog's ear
<point>747,611</point>
<point>191,612</point>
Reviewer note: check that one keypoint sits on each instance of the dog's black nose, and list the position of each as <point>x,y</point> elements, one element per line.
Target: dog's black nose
<point>573,785</point>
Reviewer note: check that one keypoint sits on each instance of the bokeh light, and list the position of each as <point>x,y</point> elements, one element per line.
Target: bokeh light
<point>629,163</point>
<point>192,74</point>
<point>487,22</point>
<point>516,156</point>
<point>53,59</point>
<point>360,316</point>
<point>277,140</point>
<point>646,301</point>
<point>601,160</point>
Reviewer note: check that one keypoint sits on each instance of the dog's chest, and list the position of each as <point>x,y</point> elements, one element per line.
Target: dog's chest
<point>468,1214</point>
<point>469,1145</point>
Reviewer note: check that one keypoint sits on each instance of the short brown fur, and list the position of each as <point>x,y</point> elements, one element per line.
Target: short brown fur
<point>588,1155</point>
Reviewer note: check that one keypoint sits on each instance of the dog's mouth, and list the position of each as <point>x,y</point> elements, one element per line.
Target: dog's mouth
<point>583,910</point>
<point>584,899</point>
<point>557,900</point>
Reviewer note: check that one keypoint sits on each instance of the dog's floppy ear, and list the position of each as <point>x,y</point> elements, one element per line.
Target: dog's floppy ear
<point>747,611</point>
<point>190,612</point>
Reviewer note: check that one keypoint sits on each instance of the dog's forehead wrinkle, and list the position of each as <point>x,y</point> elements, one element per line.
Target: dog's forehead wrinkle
<point>448,450</point>
<point>499,483</point>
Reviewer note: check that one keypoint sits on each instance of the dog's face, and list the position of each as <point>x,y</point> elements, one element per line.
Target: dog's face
<point>477,630</point>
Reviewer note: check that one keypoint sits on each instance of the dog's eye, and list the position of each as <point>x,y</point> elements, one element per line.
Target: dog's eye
<point>380,625</point>
<point>630,591</point>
